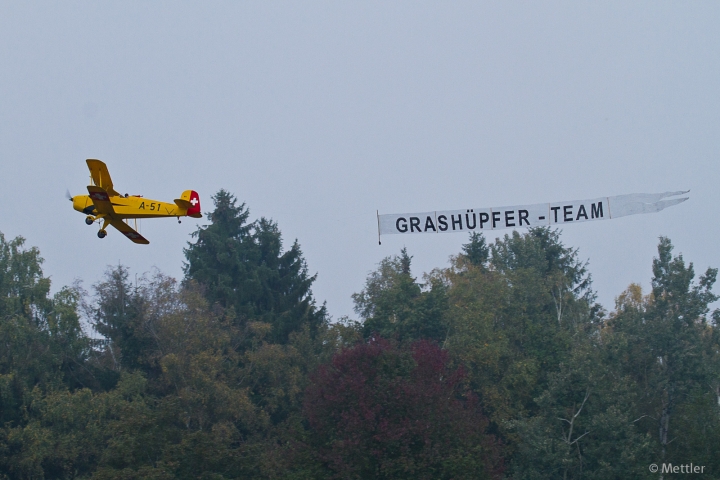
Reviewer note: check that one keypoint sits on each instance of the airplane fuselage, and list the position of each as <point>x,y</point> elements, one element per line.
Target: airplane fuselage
<point>131,207</point>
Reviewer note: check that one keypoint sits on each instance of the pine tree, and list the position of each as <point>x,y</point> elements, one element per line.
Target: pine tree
<point>242,266</point>
<point>476,251</point>
<point>119,316</point>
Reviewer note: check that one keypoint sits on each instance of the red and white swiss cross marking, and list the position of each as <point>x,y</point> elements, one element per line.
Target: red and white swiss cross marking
<point>99,196</point>
<point>194,201</point>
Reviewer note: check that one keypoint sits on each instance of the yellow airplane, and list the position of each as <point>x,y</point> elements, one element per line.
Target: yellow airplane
<point>104,203</point>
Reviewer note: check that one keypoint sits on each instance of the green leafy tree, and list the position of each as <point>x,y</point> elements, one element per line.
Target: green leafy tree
<point>43,342</point>
<point>183,411</point>
<point>550,299</point>
<point>665,342</point>
<point>191,419</point>
<point>393,304</point>
<point>521,312</point>
<point>515,311</point>
<point>42,349</point>
<point>23,289</point>
<point>218,399</point>
<point>584,426</point>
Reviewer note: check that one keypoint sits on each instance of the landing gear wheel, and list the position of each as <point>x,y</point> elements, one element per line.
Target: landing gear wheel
<point>102,234</point>
<point>89,220</point>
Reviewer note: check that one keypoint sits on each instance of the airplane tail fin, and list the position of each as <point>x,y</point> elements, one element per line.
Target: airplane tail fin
<point>190,201</point>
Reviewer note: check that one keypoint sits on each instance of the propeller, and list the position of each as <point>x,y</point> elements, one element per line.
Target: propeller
<point>67,194</point>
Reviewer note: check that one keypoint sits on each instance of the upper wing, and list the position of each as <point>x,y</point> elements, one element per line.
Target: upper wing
<point>129,232</point>
<point>101,176</point>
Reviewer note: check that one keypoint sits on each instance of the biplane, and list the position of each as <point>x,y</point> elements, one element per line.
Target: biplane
<point>104,203</point>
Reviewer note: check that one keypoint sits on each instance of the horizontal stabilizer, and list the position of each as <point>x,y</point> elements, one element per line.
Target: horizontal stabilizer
<point>184,204</point>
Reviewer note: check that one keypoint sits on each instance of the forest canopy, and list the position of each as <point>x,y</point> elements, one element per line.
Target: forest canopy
<point>500,365</point>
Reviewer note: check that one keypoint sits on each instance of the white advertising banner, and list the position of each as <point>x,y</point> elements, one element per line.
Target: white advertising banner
<point>541,214</point>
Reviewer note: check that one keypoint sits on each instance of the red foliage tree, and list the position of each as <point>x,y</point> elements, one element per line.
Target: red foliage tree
<point>377,411</point>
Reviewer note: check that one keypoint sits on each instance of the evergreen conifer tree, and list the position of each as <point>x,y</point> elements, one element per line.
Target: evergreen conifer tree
<point>476,251</point>
<point>118,316</point>
<point>242,266</point>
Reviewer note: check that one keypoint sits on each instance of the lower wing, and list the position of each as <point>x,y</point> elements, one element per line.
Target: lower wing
<point>128,231</point>
<point>101,200</point>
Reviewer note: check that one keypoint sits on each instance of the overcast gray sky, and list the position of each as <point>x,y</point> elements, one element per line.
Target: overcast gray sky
<point>317,114</point>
